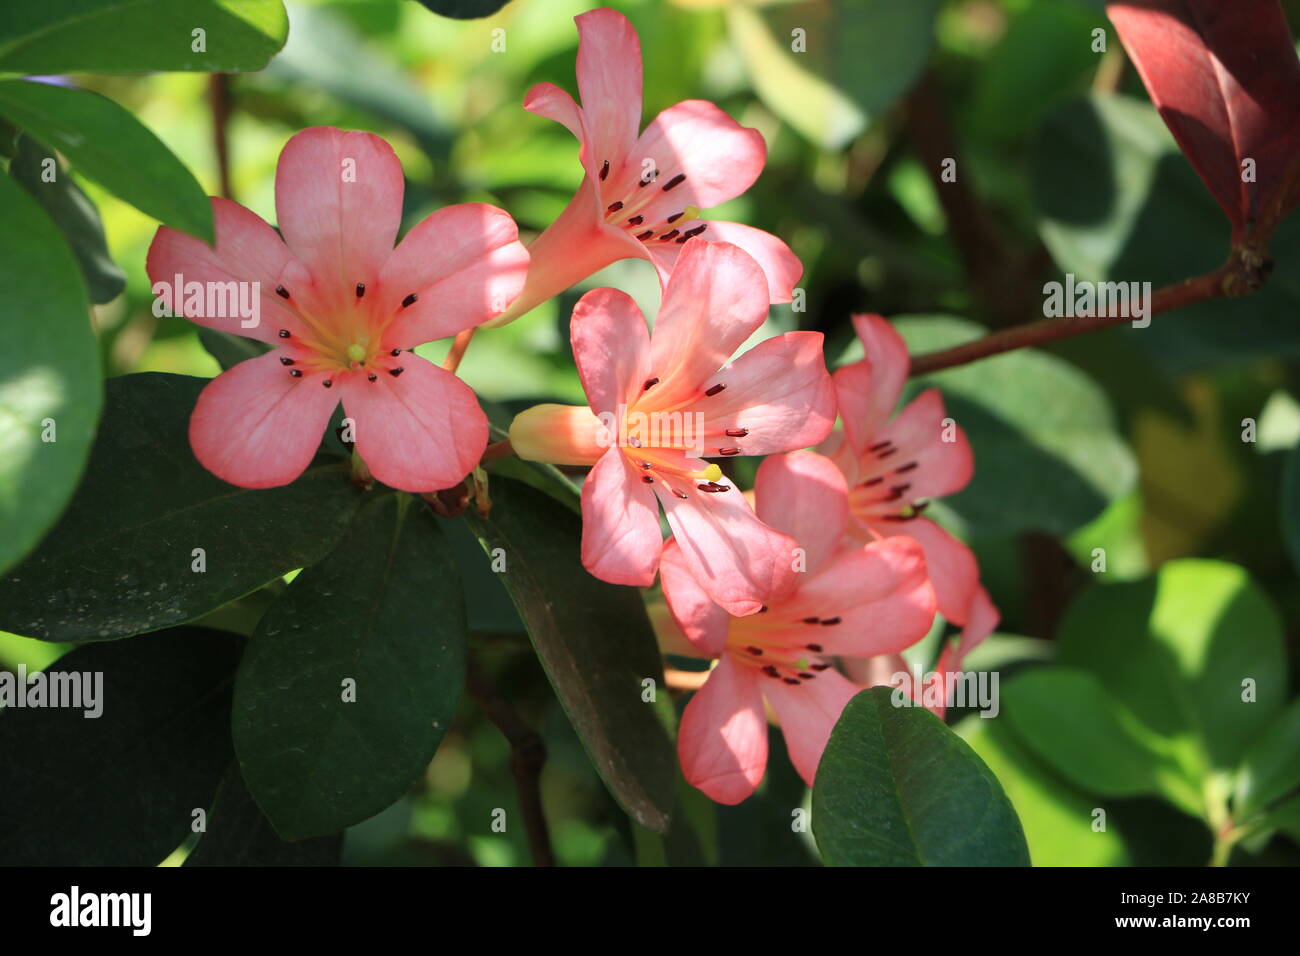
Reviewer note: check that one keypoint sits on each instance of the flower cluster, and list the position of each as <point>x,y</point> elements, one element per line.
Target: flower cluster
<point>799,594</point>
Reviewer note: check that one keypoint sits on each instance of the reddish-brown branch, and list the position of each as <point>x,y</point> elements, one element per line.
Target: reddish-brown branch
<point>219,101</point>
<point>527,757</point>
<point>1241,274</point>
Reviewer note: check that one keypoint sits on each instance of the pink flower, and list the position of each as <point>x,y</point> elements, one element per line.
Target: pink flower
<point>341,306</point>
<point>661,403</point>
<point>854,600</point>
<point>642,195</point>
<point>895,466</point>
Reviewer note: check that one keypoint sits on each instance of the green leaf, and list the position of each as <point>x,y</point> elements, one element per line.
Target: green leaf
<point>1285,817</point>
<point>50,391</point>
<point>1058,819</point>
<point>594,641</point>
<point>828,70</point>
<point>1176,649</point>
<point>1271,768</point>
<point>1048,455</point>
<point>1067,717</point>
<point>74,214</point>
<point>238,834</point>
<point>122,559</point>
<point>895,787</point>
<point>230,349</point>
<point>353,675</point>
<point>135,36</point>
<point>1290,509</point>
<point>1119,202</point>
<point>119,789</point>
<point>107,144</point>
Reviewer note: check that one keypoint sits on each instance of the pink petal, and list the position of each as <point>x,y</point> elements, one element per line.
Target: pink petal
<point>559,434</point>
<point>548,100</point>
<point>621,541</point>
<point>951,565</point>
<point>879,593</point>
<point>716,298</point>
<point>419,431</point>
<point>247,250</point>
<point>338,198</point>
<point>804,495</point>
<point>868,390</point>
<point>576,245</point>
<point>703,622</point>
<point>779,391</point>
<point>611,347</point>
<point>943,467</point>
<point>718,157</point>
<point>808,712</point>
<point>464,263</point>
<point>609,83</point>
<point>737,560</point>
<point>256,426</point>
<point>722,739</point>
<point>774,257</point>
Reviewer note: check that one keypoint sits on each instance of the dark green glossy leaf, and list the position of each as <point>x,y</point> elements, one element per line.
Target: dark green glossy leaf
<point>50,389</point>
<point>134,36</point>
<point>464,9</point>
<point>238,834</point>
<point>106,143</point>
<point>895,787</point>
<point>120,789</point>
<point>593,639</point>
<point>353,675</point>
<point>122,559</point>
<point>1271,769</point>
<point>74,214</point>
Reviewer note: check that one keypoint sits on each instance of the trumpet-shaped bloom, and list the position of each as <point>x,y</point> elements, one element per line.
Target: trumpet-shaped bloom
<point>853,600</point>
<point>341,308</point>
<point>642,195</point>
<point>896,464</point>
<point>661,404</point>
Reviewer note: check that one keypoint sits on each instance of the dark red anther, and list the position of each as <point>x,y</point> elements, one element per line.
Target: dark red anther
<point>396,371</point>
<point>812,620</point>
<point>675,181</point>
<point>806,676</point>
<point>604,170</point>
<point>282,292</point>
<point>873,481</point>
<point>295,373</point>
<point>756,651</point>
<point>284,333</point>
<point>636,220</point>
<point>669,234</point>
<point>693,232</point>
<point>361,289</point>
<point>715,389</point>
<point>771,671</point>
<point>327,383</point>
<point>887,452</point>
<point>903,468</point>
<point>830,620</point>
<point>410,300</point>
<point>674,217</point>
<point>819,667</point>
<point>373,377</point>
<point>649,384</point>
<point>728,451</point>
<point>395,352</point>
<point>736,432</point>
<point>645,235</point>
<point>680,494</point>
<point>614,206</point>
<point>879,445</point>
<point>285,360</point>
<point>646,182</point>
<point>790,680</point>
<point>648,479</point>
<point>815,648</point>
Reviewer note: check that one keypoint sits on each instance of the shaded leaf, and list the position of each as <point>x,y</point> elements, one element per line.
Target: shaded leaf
<point>120,789</point>
<point>353,674</point>
<point>104,142</point>
<point>594,641</point>
<point>74,214</point>
<point>122,559</point>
